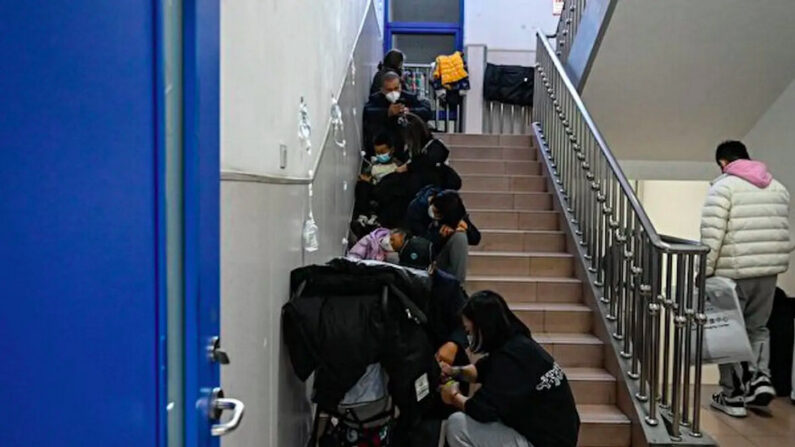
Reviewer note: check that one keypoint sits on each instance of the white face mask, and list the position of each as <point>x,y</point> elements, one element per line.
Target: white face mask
<point>431,213</point>
<point>386,245</point>
<point>392,96</point>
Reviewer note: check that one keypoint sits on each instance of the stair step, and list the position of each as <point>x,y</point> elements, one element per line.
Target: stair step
<point>522,240</point>
<point>488,140</point>
<point>591,385</point>
<point>603,426</point>
<point>508,200</point>
<point>493,153</point>
<point>556,265</point>
<point>573,349</point>
<point>515,219</point>
<point>526,289</point>
<point>554,317</point>
<point>470,166</point>
<point>493,182</point>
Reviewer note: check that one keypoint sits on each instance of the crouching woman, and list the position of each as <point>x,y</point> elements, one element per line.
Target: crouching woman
<point>525,399</point>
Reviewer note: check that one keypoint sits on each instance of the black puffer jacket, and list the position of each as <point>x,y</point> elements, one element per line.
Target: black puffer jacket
<point>339,320</point>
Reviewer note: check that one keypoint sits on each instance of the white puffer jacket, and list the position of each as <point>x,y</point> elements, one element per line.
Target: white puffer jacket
<point>745,223</point>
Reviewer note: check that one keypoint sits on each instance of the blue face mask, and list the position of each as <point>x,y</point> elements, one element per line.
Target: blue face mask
<point>383,158</point>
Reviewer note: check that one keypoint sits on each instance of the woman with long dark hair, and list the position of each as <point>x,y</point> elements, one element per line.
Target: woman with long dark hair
<point>525,399</point>
<point>393,61</point>
<point>428,156</point>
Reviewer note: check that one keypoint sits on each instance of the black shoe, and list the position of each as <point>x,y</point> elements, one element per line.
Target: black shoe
<point>759,392</point>
<point>733,406</point>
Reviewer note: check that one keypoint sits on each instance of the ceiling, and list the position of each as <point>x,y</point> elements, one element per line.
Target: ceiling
<point>673,78</point>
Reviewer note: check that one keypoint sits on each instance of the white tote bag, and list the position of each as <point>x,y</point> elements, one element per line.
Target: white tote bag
<point>725,337</point>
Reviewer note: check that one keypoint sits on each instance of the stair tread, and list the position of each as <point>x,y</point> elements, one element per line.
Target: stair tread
<point>590,374</point>
<point>454,146</point>
<point>509,231</point>
<point>557,307</point>
<point>579,338</point>
<point>485,210</point>
<point>508,278</point>
<point>501,160</point>
<point>522,254</point>
<point>464,176</point>
<point>518,193</point>
<point>601,414</point>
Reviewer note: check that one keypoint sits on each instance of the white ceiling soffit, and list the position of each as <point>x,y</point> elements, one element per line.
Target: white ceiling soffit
<point>673,78</point>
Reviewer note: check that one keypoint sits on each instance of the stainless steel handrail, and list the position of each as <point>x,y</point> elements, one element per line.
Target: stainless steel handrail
<point>569,23</point>
<point>648,282</point>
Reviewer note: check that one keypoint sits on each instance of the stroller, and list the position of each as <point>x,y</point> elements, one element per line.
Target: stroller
<point>359,328</point>
<point>364,418</point>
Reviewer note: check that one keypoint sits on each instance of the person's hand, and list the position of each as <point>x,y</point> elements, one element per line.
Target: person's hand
<point>447,353</point>
<point>447,371</point>
<point>446,230</point>
<point>462,227</point>
<point>395,109</point>
<point>449,392</point>
<point>402,168</point>
<point>366,178</point>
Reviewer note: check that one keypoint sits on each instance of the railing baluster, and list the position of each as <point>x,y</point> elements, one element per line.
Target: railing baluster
<point>646,280</point>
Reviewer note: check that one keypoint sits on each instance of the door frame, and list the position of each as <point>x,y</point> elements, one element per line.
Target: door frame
<point>439,28</point>
<point>201,155</point>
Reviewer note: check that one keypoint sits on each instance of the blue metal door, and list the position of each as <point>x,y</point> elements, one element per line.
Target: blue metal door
<point>82,222</point>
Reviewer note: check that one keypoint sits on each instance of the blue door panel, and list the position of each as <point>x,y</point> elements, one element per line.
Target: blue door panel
<point>79,188</point>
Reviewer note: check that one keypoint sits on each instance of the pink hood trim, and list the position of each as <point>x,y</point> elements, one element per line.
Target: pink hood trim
<point>755,172</point>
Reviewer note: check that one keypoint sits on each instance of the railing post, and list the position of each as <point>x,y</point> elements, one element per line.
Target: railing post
<point>700,319</point>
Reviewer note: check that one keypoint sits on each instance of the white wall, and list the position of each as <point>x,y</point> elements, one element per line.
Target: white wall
<point>507,27</point>
<point>261,221</point>
<point>772,140</point>
<point>273,52</point>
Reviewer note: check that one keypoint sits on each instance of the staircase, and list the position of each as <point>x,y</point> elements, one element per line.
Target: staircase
<point>524,257</point>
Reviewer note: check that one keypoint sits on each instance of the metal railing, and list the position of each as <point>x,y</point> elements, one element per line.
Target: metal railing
<point>647,281</point>
<point>418,79</point>
<point>501,118</point>
<point>570,18</point>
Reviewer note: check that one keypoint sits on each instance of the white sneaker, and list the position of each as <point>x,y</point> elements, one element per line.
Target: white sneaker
<point>733,406</point>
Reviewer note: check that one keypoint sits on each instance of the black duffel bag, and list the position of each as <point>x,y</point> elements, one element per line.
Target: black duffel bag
<point>509,84</point>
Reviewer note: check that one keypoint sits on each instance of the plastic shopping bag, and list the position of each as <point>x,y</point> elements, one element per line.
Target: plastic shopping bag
<point>725,337</point>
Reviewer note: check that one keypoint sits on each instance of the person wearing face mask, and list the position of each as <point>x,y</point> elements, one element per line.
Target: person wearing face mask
<point>386,111</point>
<point>525,399</point>
<point>440,216</point>
<point>380,245</point>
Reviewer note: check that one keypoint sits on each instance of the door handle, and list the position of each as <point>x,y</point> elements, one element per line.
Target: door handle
<point>218,404</point>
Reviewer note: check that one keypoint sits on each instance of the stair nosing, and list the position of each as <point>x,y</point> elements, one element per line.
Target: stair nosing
<point>539,176</point>
<point>524,254</point>
<point>539,306</point>
<point>452,146</point>
<point>528,279</point>
<point>568,338</point>
<point>480,210</point>
<point>616,416</point>
<point>520,193</point>
<point>501,160</point>
<point>588,374</point>
<point>536,232</point>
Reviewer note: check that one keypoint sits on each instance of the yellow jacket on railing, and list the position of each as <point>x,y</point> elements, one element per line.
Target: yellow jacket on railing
<point>450,68</point>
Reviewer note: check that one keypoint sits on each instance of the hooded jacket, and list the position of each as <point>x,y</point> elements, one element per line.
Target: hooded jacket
<point>369,247</point>
<point>745,223</point>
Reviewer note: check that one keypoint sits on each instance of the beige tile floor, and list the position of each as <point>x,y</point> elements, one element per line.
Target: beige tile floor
<point>757,430</point>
